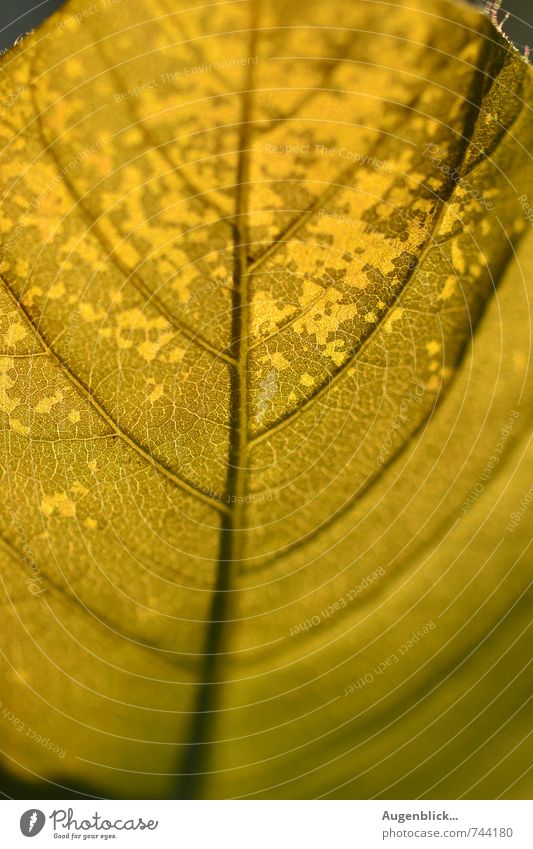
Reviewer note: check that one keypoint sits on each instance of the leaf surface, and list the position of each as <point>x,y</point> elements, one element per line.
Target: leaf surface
<point>265,396</point>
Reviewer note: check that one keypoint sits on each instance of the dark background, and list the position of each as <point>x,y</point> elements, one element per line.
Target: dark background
<point>19,16</point>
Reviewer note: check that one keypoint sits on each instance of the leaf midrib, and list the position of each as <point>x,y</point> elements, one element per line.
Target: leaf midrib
<point>232,526</point>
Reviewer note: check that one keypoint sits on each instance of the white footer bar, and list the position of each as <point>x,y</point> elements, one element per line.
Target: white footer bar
<point>268,824</point>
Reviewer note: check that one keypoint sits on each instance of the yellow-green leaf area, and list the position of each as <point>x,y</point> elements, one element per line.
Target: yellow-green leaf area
<point>265,402</point>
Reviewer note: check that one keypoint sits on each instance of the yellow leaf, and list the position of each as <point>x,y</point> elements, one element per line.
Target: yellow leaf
<point>264,393</point>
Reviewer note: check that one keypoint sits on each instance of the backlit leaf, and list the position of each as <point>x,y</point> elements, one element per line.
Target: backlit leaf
<point>264,397</point>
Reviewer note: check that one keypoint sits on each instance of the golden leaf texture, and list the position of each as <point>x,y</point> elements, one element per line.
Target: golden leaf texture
<point>265,399</point>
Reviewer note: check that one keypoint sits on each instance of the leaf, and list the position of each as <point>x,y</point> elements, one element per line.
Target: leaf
<point>265,400</point>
